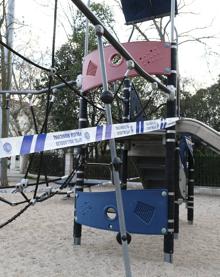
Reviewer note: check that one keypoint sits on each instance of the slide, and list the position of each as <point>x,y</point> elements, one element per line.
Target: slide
<point>209,136</point>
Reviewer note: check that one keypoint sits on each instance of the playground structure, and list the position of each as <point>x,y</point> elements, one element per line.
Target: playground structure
<point>161,157</point>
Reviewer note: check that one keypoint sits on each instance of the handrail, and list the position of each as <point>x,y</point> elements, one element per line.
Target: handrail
<point>36,92</point>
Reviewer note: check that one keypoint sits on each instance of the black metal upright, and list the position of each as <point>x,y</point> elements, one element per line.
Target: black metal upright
<point>171,146</point>
<point>125,118</point>
<point>77,228</point>
<point>170,183</point>
<point>177,192</point>
<point>190,199</point>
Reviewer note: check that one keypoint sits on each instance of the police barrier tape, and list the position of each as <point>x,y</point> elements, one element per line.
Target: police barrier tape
<point>28,144</point>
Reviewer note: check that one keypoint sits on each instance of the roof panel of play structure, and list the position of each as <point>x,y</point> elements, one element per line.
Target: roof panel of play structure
<point>143,10</point>
<point>153,57</point>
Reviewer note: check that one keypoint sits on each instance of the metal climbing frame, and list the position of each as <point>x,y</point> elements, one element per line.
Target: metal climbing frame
<point>116,60</point>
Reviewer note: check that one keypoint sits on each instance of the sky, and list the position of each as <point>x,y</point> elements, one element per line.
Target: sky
<point>194,62</point>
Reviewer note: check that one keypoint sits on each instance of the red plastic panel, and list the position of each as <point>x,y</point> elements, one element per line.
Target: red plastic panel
<point>153,56</point>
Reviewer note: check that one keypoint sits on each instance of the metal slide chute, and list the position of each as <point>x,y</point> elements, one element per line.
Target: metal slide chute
<point>199,129</point>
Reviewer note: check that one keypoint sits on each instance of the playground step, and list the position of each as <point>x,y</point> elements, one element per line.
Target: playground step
<point>150,162</point>
<point>151,167</point>
<point>153,171</point>
<point>152,176</point>
<point>143,149</point>
<point>149,158</point>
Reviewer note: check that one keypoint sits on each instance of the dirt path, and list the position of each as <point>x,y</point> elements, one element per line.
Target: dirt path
<point>39,243</point>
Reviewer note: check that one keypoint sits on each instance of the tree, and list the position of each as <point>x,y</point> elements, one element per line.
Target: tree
<point>203,105</point>
<point>69,59</point>
<point>6,27</point>
<point>158,29</point>
<point>15,74</point>
<point>24,78</point>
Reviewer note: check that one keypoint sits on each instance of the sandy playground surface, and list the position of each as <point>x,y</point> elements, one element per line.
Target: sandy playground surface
<point>39,243</point>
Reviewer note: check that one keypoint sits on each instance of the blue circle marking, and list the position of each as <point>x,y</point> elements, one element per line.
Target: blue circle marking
<point>87,135</point>
<point>7,147</point>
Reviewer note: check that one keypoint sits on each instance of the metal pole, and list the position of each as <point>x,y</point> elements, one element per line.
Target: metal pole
<point>114,158</point>
<point>0,132</point>
<point>77,228</point>
<point>178,96</point>
<point>176,210</point>
<point>83,120</point>
<point>41,91</point>
<point>125,118</point>
<point>171,148</point>
<point>191,181</point>
<point>177,203</point>
<point>172,19</point>
<point>86,43</point>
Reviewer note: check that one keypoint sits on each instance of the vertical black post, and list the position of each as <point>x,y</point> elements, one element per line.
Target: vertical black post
<point>171,158</point>
<point>77,228</point>
<point>176,210</point>
<point>178,96</point>
<point>125,118</point>
<point>170,183</point>
<point>190,199</point>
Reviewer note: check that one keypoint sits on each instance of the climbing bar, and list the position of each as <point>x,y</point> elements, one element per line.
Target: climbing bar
<point>118,46</point>
<point>80,173</point>
<point>125,118</point>
<point>107,98</point>
<point>37,92</point>
<point>28,144</point>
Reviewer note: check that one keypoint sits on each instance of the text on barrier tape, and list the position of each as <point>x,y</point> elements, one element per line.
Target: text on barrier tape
<point>28,144</point>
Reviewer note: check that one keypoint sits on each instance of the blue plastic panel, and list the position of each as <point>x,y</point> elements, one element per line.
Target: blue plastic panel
<point>145,210</point>
<point>143,10</point>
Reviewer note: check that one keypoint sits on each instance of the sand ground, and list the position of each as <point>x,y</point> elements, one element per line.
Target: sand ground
<point>39,243</point>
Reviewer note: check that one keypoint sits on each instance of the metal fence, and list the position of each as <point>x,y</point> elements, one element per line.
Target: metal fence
<point>207,169</point>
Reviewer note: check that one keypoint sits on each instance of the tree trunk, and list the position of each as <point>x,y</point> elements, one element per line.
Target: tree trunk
<point>6,74</point>
<point>4,134</point>
<point>4,123</point>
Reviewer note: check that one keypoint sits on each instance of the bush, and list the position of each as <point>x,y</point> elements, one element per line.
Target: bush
<point>53,164</point>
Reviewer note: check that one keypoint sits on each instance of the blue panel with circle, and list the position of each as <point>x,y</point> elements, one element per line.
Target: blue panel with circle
<point>145,210</point>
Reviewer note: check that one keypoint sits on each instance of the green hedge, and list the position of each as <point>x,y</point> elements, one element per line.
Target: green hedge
<point>207,169</point>
<point>53,163</point>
